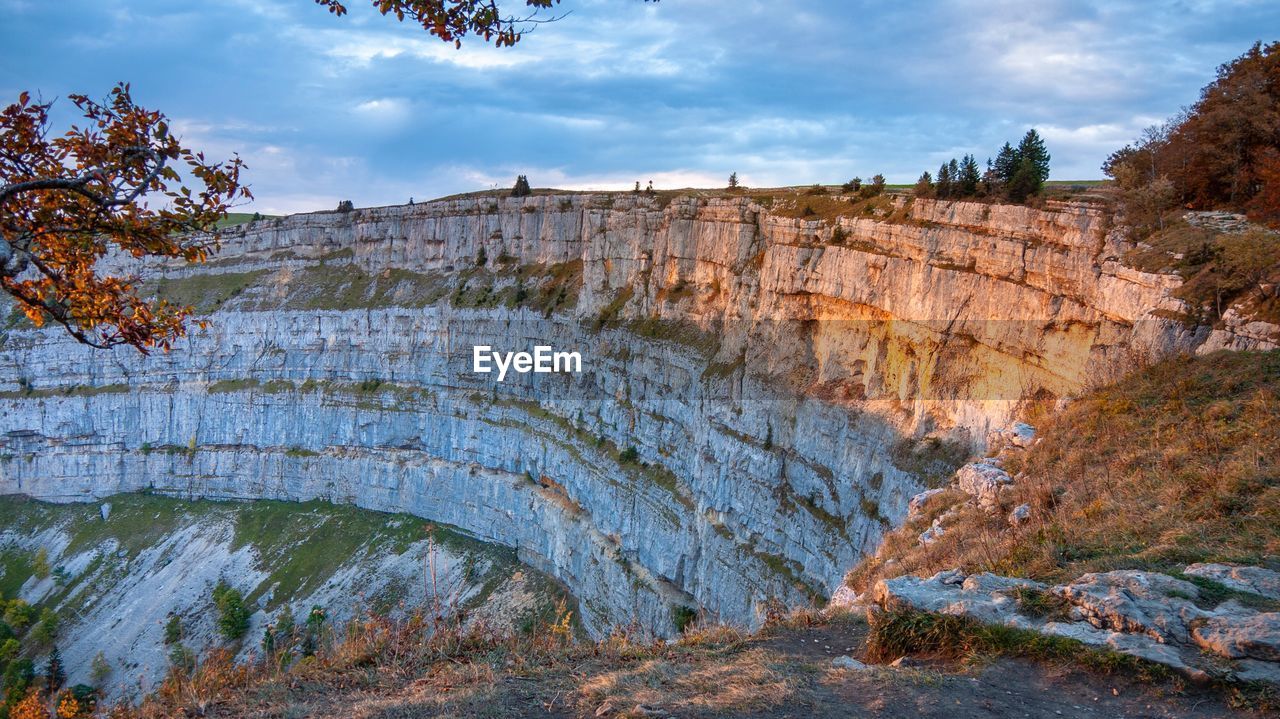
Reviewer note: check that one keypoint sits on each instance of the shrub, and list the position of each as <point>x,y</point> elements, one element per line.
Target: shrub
<point>99,669</point>
<point>629,456</point>
<point>40,564</point>
<point>173,630</point>
<point>682,617</point>
<point>233,616</point>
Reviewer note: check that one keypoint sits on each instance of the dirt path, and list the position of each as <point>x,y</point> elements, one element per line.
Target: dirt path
<point>787,673</point>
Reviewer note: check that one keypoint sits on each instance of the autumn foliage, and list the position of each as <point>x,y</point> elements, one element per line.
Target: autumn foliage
<point>121,185</point>
<point>453,20</point>
<point>1221,152</point>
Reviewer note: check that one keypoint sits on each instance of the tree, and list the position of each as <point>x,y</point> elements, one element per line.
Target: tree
<point>67,201</point>
<point>30,706</point>
<point>173,630</point>
<point>99,669</point>
<point>521,188</point>
<point>1026,181</point>
<point>1032,150</point>
<point>453,20</point>
<point>967,182</point>
<point>944,181</point>
<point>924,186</point>
<point>40,564</point>
<point>233,616</point>
<point>852,186</point>
<point>55,674</point>
<point>1006,165</point>
<point>733,181</point>
<point>1265,205</point>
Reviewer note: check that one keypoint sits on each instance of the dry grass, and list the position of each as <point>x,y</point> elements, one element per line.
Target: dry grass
<point>1220,269</point>
<point>1179,463</point>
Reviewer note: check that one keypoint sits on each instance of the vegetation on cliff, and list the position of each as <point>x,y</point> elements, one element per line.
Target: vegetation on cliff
<point>1224,151</point>
<point>1176,464</point>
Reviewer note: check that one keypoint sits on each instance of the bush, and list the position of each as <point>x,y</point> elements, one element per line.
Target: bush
<point>40,564</point>
<point>173,630</point>
<point>629,456</point>
<point>233,616</point>
<point>99,669</point>
<point>852,186</point>
<point>682,617</point>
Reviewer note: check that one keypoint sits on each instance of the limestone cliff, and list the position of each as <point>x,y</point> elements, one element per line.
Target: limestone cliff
<point>760,397</point>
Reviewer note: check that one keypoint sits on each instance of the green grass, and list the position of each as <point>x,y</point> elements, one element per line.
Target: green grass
<point>239,218</point>
<point>207,292</point>
<point>904,633</point>
<point>300,545</point>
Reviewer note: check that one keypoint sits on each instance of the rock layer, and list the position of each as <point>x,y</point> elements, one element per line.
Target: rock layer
<point>757,404</point>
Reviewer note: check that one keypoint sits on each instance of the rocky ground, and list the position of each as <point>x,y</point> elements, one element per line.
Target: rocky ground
<point>808,668</point>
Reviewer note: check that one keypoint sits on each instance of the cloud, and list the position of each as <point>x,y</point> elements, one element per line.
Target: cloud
<point>368,109</point>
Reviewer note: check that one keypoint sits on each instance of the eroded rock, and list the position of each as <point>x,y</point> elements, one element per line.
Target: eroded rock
<point>1257,580</point>
<point>983,480</point>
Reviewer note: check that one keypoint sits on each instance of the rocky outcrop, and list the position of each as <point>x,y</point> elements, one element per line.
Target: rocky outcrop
<point>1144,614</point>
<point>758,402</point>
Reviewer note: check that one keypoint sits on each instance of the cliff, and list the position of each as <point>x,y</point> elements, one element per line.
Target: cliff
<point>760,397</point>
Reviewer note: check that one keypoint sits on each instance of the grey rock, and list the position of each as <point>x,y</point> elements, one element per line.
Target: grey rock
<point>1257,580</point>
<point>916,504</point>
<point>1133,601</point>
<point>1020,434</point>
<point>847,662</point>
<point>982,480</point>
<point>1020,515</point>
<point>105,511</point>
<point>1241,637</point>
<point>844,597</point>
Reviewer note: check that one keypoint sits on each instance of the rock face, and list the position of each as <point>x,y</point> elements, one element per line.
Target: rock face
<point>756,403</point>
<point>1144,614</point>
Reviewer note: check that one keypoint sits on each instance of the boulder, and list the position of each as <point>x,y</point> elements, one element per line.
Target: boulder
<point>930,535</point>
<point>847,662</point>
<point>916,504</point>
<point>1242,579</point>
<point>983,480</point>
<point>1020,434</point>
<point>1020,515</point>
<point>844,597</point>
<point>1134,601</point>
<point>1134,645</point>
<point>1241,637</point>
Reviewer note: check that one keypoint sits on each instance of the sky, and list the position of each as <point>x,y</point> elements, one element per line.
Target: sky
<point>681,92</point>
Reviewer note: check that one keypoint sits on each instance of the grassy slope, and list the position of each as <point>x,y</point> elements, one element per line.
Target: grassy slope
<point>1178,463</point>
<point>299,545</point>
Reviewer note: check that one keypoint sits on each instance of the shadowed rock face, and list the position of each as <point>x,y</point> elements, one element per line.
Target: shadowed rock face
<point>756,404</point>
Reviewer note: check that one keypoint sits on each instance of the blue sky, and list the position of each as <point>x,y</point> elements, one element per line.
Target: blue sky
<point>681,92</point>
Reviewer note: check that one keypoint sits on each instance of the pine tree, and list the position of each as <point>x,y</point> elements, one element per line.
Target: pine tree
<point>924,186</point>
<point>1006,165</point>
<point>969,178</point>
<point>944,181</point>
<point>1032,150</point>
<point>733,181</point>
<point>55,674</point>
<point>522,187</point>
<point>1026,181</point>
